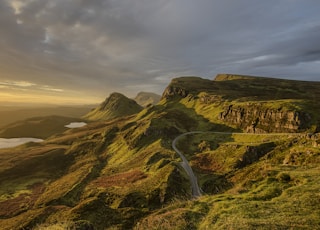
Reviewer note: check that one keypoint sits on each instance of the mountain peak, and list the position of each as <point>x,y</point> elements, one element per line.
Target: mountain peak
<point>146,98</point>
<point>113,99</point>
<point>116,105</point>
<point>116,95</point>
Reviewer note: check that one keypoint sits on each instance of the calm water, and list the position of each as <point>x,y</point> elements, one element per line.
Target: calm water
<point>12,142</point>
<point>75,125</point>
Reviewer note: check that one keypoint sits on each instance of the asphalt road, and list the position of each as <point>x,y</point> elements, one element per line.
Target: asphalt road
<point>193,179</point>
<point>196,192</point>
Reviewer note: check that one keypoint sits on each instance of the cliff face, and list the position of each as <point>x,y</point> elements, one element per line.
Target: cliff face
<point>257,119</point>
<point>174,91</point>
<point>181,87</point>
<point>253,104</point>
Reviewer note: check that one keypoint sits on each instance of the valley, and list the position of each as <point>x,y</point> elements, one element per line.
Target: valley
<point>12,114</point>
<point>252,156</point>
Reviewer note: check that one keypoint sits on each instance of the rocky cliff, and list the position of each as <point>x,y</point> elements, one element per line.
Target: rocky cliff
<point>257,119</point>
<point>253,104</point>
<point>182,86</point>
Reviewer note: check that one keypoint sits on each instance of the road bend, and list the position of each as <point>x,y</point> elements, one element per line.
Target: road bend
<point>196,192</point>
<point>193,179</point>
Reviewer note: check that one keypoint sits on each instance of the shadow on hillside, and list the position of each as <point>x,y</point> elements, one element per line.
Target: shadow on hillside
<point>192,121</point>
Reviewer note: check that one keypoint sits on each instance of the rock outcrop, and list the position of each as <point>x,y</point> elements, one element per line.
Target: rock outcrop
<point>255,119</point>
<point>172,91</point>
<point>253,104</point>
<point>182,86</point>
<point>253,154</point>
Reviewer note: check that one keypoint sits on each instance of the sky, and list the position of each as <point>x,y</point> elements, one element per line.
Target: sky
<point>80,51</point>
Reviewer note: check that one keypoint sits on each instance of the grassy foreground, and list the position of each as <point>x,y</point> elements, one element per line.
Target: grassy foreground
<point>122,173</point>
<point>271,193</point>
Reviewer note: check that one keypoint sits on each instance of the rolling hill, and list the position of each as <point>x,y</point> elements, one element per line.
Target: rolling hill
<point>146,98</point>
<point>116,105</point>
<point>122,173</point>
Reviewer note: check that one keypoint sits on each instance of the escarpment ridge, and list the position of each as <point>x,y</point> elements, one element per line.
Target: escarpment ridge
<point>123,170</point>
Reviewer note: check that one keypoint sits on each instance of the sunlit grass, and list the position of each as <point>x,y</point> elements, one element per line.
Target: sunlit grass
<point>124,174</point>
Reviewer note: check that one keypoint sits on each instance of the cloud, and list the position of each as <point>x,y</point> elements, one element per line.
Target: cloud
<point>25,85</point>
<point>17,83</point>
<point>101,46</point>
<point>17,6</point>
<point>48,88</point>
<point>298,46</point>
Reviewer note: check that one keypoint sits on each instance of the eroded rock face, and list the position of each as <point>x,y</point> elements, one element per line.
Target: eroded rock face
<point>253,154</point>
<point>256,119</point>
<point>174,91</point>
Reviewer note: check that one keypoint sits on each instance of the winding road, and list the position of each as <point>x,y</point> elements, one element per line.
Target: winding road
<point>196,191</point>
<point>193,179</point>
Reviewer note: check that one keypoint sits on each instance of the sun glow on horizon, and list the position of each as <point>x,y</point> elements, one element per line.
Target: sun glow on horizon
<point>32,93</point>
<point>37,98</point>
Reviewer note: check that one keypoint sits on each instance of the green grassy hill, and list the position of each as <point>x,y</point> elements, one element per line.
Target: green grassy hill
<point>123,173</point>
<point>116,105</point>
<point>251,103</point>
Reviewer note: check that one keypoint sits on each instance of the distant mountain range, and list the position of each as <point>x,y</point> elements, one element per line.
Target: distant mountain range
<point>37,127</point>
<point>121,172</point>
<point>12,114</point>
<point>117,105</point>
<point>145,98</point>
<point>26,122</point>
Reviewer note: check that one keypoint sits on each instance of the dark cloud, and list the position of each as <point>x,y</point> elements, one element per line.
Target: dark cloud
<point>302,46</point>
<point>99,46</point>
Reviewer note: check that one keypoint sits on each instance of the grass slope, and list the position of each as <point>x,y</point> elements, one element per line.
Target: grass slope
<point>123,174</point>
<point>116,105</point>
<point>107,169</point>
<point>278,191</point>
<point>258,95</point>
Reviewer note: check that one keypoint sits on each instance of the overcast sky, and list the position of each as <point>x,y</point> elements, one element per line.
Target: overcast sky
<point>77,49</point>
